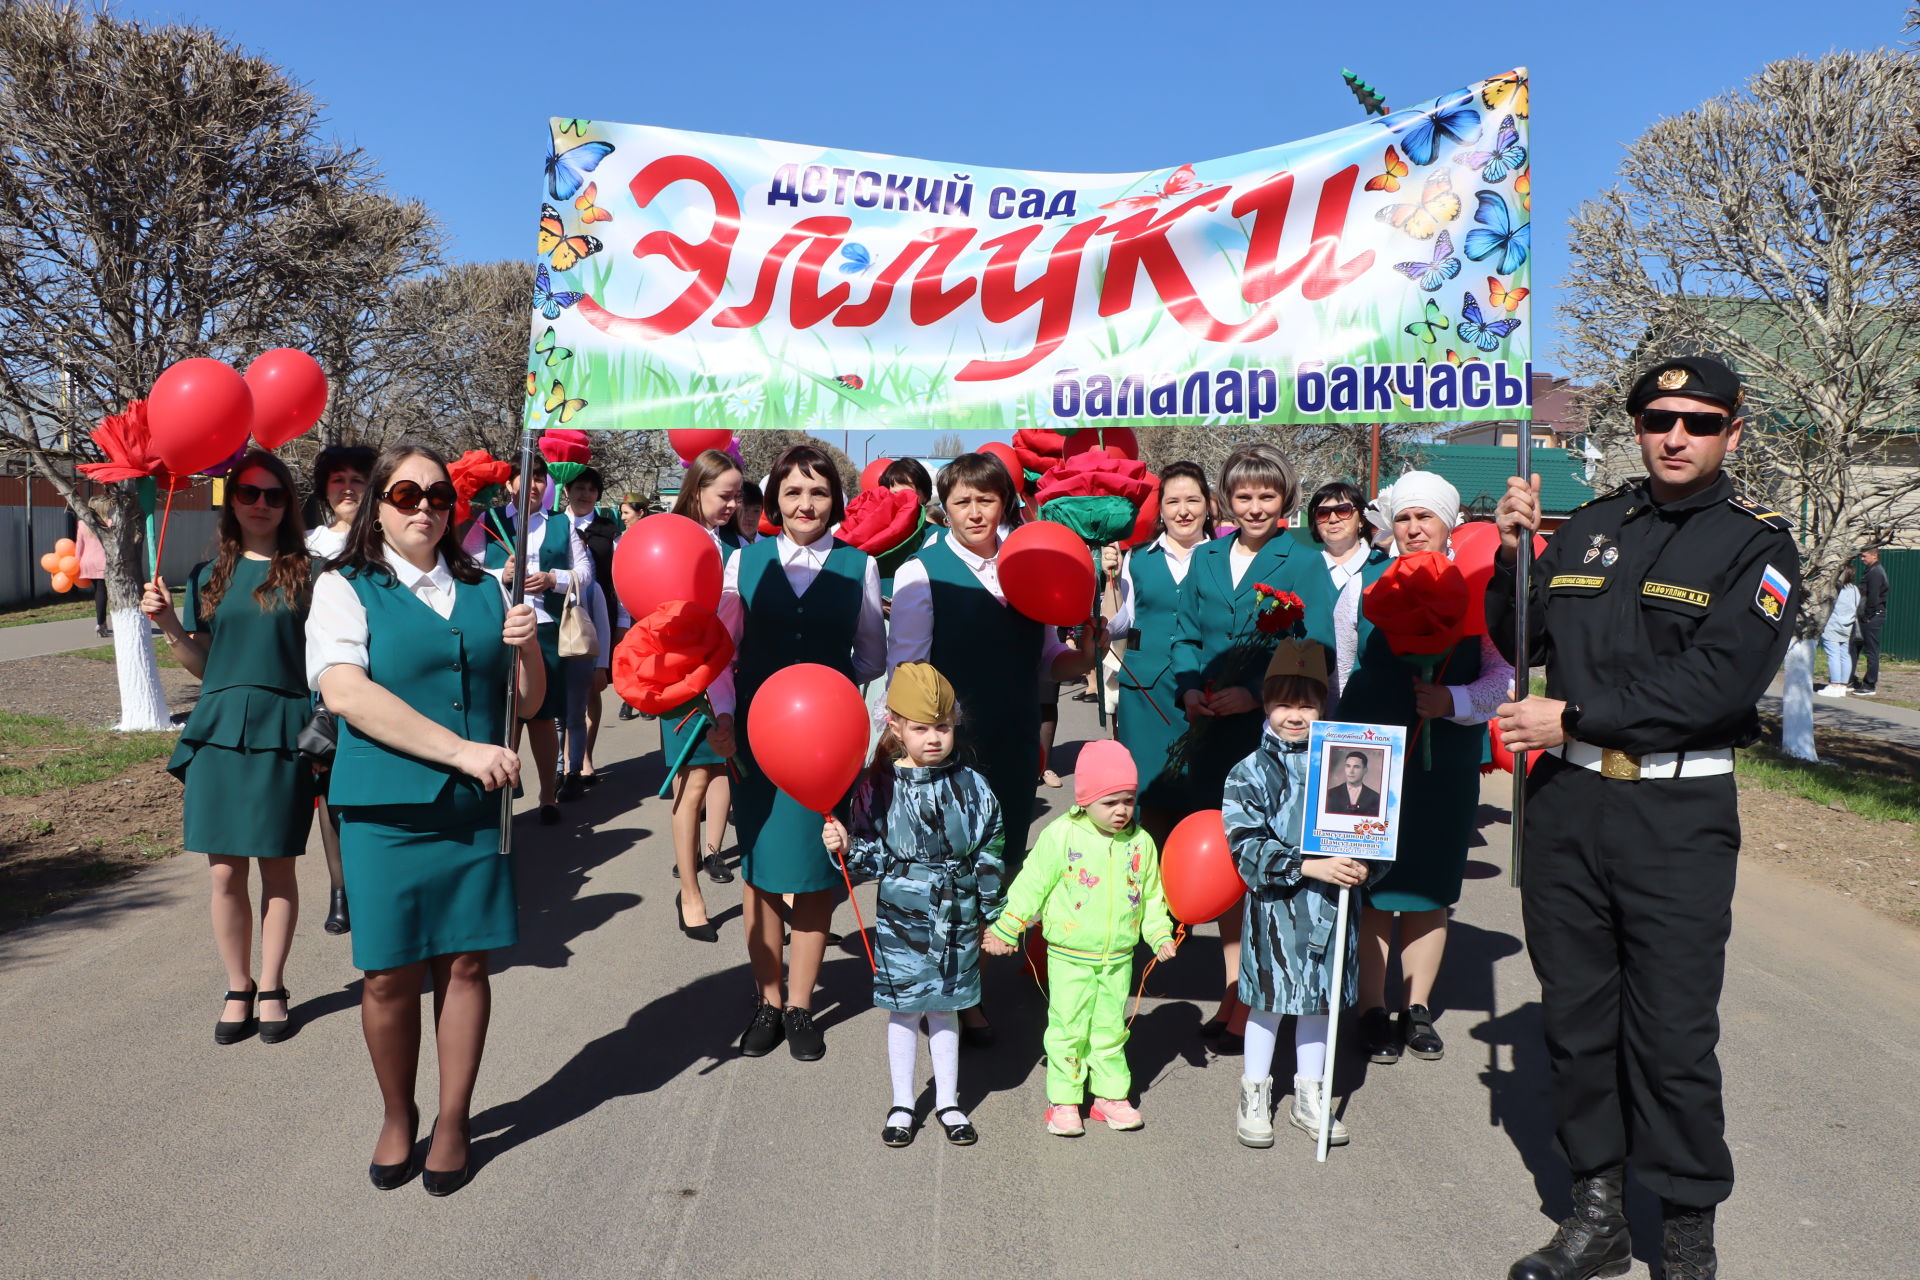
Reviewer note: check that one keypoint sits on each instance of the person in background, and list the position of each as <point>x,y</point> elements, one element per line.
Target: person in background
<point>587,677</point>
<point>339,480</point>
<point>1336,514</point>
<point>1837,636</point>
<point>632,509</point>
<point>93,558</point>
<point>1873,617</point>
<point>746,521</point>
<point>249,793</point>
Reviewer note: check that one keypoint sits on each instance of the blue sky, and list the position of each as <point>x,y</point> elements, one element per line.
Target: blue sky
<point>452,99</point>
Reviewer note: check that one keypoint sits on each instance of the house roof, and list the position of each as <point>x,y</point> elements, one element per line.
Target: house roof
<point>1480,473</point>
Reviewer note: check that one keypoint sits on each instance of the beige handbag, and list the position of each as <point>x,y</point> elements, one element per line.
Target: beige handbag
<point>577,636</point>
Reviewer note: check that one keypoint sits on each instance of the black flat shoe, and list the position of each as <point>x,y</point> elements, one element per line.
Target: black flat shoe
<point>275,1032</point>
<point>235,1032</point>
<point>698,932</point>
<point>716,869</point>
<point>1382,1039</point>
<point>337,920</point>
<point>436,1183</point>
<point>762,1034</point>
<point>980,1037</point>
<point>960,1133</point>
<point>804,1040</point>
<point>1229,1045</point>
<point>898,1135</point>
<point>628,712</point>
<point>1422,1040</point>
<point>549,815</point>
<point>570,788</point>
<point>588,781</point>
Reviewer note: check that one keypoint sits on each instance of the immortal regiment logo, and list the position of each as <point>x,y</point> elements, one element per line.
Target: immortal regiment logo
<point>1376,273</point>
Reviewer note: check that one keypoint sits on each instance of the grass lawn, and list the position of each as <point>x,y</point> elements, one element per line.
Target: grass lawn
<point>77,605</point>
<point>1882,796</point>
<point>104,653</point>
<point>40,754</point>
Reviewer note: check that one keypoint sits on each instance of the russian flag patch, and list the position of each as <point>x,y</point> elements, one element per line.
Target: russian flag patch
<point>1771,598</point>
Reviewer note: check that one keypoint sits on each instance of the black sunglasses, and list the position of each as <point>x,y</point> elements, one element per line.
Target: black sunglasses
<point>407,496</point>
<point>1334,511</point>
<point>246,495</point>
<point>1660,421</point>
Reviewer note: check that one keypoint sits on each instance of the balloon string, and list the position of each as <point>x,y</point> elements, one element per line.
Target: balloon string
<point>855,903</point>
<point>160,543</point>
<point>1142,688</point>
<point>1179,936</point>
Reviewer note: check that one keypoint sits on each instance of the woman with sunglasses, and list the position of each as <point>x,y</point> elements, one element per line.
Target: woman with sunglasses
<point>1336,516</point>
<point>412,645</point>
<point>249,793</point>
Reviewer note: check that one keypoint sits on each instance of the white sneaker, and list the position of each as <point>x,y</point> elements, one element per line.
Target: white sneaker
<point>1834,691</point>
<point>1307,1108</point>
<point>1254,1125</point>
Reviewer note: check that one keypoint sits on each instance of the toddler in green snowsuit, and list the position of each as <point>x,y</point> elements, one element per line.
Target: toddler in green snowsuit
<point>1093,881</point>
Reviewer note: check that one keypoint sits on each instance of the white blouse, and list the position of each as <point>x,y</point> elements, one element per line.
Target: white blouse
<point>910,638</point>
<point>323,542</point>
<point>337,621</point>
<point>581,560</point>
<point>802,565</point>
<point>1346,608</point>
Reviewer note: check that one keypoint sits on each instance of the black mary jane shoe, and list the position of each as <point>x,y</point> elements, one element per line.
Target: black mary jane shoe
<point>338,921</point>
<point>698,932</point>
<point>1422,1040</point>
<point>275,1032</point>
<point>960,1133</point>
<point>549,815</point>
<point>764,1033</point>
<point>234,1032</point>
<point>716,867</point>
<point>898,1135</point>
<point>391,1177</point>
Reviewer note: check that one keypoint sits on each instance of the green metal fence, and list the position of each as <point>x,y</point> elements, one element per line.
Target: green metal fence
<point>1900,638</point>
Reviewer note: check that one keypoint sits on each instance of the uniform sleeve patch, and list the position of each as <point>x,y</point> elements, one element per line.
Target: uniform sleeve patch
<point>1771,598</point>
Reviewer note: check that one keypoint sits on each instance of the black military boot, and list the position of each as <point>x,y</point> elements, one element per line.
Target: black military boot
<point>1686,1244</point>
<point>1592,1242</point>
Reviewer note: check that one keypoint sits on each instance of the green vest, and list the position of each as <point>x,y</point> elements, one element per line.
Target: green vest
<point>553,551</point>
<point>988,651</point>
<point>1156,611</point>
<point>783,629</point>
<point>451,670</point>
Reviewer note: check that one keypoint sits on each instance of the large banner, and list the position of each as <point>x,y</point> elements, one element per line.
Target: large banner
<point>1378,273</point>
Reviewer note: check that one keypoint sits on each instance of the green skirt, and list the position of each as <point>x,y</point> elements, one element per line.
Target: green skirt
<point>1438,809</point>
<point>554,706</point>
<point>245,804</point>
<point>781,849</point>
<point>425,883</point>
<point>672,739</point>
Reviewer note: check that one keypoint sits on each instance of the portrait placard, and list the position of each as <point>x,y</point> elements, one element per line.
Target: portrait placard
<point>1353,790</point>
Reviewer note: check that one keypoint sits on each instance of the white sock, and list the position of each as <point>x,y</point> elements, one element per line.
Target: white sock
<point>1310,1046</point>
<point>1263,1031</point>
<point>903,1053</point>
<point>943,1043</point>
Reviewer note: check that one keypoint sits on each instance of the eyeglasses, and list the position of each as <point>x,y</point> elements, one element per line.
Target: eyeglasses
<point>1334,511</point>
<point>1660,421</point>
<point>246,495</point>
<point>407,496</point>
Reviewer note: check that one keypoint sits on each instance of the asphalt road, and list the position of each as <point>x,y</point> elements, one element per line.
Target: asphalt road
<point>621,1136</point>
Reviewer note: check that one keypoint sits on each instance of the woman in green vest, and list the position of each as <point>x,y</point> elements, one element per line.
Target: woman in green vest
<point>1220,654</point>
<point>1336,518</point>
<point>1446,720</point>
<point>949,609</point>
<point>249,793</point>
<point>411,644</point>
<point>803,596</point>
<point>710,497</point>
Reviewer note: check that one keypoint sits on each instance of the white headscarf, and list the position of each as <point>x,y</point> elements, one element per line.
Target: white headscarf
<point>1415,489</point>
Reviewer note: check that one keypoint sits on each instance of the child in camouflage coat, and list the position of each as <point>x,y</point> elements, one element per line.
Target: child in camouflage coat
<point>928,829</point>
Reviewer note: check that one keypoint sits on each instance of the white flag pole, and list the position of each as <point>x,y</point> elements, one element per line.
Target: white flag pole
<point>1333,1023</point>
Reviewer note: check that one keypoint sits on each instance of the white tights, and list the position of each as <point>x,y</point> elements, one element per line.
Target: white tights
<point>1309,1044</point>
<point>903,1053</point>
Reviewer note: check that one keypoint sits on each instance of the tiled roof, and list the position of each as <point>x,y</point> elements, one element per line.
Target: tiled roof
<point>1480,473</point>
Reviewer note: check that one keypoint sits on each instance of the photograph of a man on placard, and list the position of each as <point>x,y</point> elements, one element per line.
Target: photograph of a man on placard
<point>1354,791</point>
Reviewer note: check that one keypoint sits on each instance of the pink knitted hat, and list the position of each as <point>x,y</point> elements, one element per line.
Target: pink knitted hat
<point>1104,767</point>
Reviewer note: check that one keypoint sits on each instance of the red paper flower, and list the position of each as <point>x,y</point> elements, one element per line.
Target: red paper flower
<point>564,444</point>
<point>879,520</point>
<point>472,471</point>
<point>1420,604</point>
<point>768,529</point>
<point>671,656</point>
<point>124,438</point>
<point>1039,451</point>
<point>1097,473</point>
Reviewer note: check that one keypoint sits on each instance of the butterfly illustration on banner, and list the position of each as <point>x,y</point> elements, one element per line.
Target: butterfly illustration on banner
<point>1497,234</point>
<point>1523,187</point>
<point>1431,275</point>
<point>1396,169</point>
<point>1499,297</point>
<point>545,300</point>
<point>566,250</point>
<point>1507,156</point>
<point>544,345</point>
<point>1510,87</point>
<point>1420,132</point>
<point>567,170</point>
<point>557,400</point>
<point>1428,329</point>
<point>578,128</point>
<point>1422,219</point>
<point>1181,182</point>
<point>1482,333</point>
<point>1453,358</point>
<point>856,259</point>
<point>587,203</point>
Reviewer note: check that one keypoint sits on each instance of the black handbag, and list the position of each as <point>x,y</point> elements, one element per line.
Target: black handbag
<point>317,737</point>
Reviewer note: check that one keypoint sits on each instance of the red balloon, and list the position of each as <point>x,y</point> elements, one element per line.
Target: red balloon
<point>1008,459</point>
<point>1197,871</point>
<point>870,474</point>
<point>662,558</point>
<point>689,444</point>
<point>1047,573</point>
<point>807,729</point>
<point>198,412</point>
<point>289,395</point>
<point>1503,758</point>
<point>1119,441</point>
<point>1474,545</point>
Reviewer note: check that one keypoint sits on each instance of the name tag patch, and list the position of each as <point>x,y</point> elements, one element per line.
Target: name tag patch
<point>1576,580</point>
<point>1771,598</point>
<point>1668,591</point>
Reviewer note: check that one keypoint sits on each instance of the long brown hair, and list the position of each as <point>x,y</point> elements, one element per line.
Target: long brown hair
<point>703,471</point>
<point>290,575</point>
<point>366,549</point>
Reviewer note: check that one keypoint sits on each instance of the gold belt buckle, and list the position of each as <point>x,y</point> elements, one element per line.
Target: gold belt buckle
<point>1619,764</point>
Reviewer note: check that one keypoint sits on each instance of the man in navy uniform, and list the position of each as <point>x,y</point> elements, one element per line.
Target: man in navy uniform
<point>1661,611</point>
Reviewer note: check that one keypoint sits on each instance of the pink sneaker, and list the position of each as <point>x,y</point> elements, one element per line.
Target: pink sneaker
<point>1064,1121</point>
<point>1117,1112</point>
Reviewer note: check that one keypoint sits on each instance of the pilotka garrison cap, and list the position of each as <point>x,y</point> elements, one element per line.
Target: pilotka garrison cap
<point>1699,376</point>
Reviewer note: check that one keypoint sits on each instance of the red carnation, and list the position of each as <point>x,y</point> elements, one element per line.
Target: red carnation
<point>1420,604</point>
<point>671,656</point>
<point>472,472</point>
<point>879,520</point>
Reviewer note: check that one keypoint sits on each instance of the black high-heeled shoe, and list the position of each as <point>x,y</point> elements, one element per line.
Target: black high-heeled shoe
<point>225,1032</point>
<point>389,1177</point>
<point>698,932</point>
<point>337,919</point>
<point>444,1182</point>
<point>278,1030</point>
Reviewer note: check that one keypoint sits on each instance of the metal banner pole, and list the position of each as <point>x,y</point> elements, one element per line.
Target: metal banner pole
<point>1522,660</point>
<point>517,592</point>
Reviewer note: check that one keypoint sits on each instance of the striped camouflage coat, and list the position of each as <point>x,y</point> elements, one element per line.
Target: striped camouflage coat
<point>1285,950</point>
<point>932,839</point>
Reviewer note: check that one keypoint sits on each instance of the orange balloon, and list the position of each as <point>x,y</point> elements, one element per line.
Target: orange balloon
<point>69,565</point>
<point>62,583</point>
<point>65,547</point>
<point>85,584</point>
<point>50,562</point>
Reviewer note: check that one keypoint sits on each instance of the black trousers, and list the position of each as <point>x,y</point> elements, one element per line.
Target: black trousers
<point>1628,900</point>
<point>1868,643</point>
